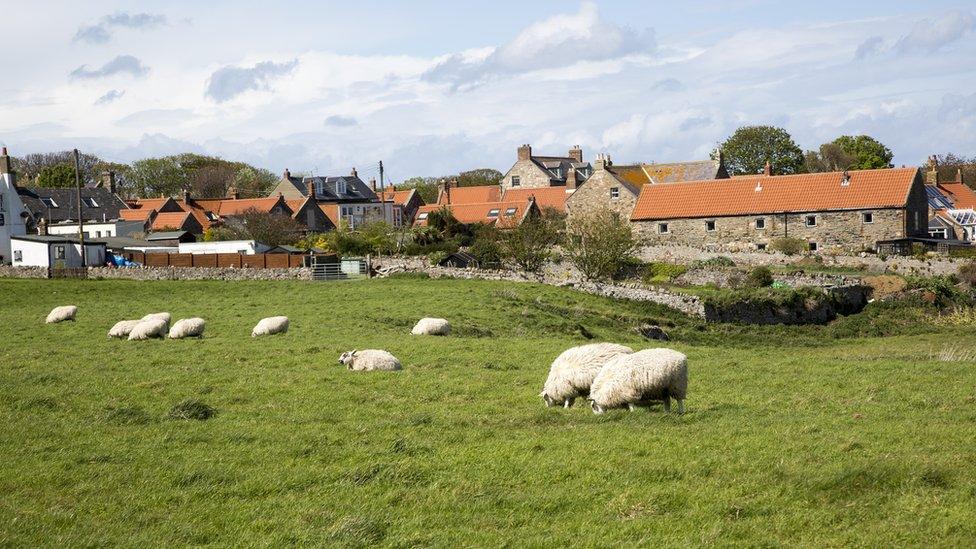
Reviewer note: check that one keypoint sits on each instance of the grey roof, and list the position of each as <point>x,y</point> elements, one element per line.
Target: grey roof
<point>356,189</point>
<point>56,239</point>
<point>108,204</point>
<point>558,167</point>
<point>167,235</point>
<point>118,242</point>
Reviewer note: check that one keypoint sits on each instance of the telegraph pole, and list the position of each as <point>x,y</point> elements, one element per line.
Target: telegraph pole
<point>382,186</point>
<point>81,220</point>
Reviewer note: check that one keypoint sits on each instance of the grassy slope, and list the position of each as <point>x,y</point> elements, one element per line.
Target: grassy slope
<point>851,441</point>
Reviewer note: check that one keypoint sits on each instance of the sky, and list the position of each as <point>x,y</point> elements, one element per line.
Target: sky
<point>436,87</point>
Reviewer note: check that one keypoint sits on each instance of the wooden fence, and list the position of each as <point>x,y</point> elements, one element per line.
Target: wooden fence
<point>256,261</point>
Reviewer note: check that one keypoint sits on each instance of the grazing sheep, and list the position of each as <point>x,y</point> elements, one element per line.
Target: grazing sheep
<point>270,326</point>
<point>60,314</point>
<point>370,360</point>
<point>187,327</point>
<point>641,377</point>
<point>572,373</point>
<point>432,327</point>
<point>164,316</point>
<point>154,327</point>
<point>123,328</point>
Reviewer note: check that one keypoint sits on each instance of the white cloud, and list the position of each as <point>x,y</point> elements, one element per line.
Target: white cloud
<point>102,31</point>
<point>123,64</point>
<point>109,96</point>
<point>229,82</point>
<point>929,35</point>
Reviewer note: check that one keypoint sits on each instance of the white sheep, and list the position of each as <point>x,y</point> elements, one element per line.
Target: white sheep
<point>60,314</point>
<point>370,360</point>
<point>432,326</point>
<point>572,373</point>
<point>639,378</point>
<point>154,327</point>
<point>164,316</point>
<point>270,326</point>
<point>123,328</point>
<point>187,327</point>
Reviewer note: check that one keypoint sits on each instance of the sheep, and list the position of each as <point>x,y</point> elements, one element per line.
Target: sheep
<point>636,379</point>
<point>270,326</point>
<point>60,314</point>
<point>187,327</point>
<point>164,316</point>
<point>123,328</point>
<point>370,360</point>
<point>572,373</point>
<point>432,326</point>
<point>154,327</point>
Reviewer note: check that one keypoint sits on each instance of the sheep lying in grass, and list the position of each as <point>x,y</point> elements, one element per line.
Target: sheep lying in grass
<point>370,360</point>
<point>270,326</point>
<point>164,316</point>
<point>146,329</point>
<point>572,373</point>
<point>432,326</point>
<point>60,314</point>
<point>187,327</point>
<point>639,378</point>
<point>123,328</point>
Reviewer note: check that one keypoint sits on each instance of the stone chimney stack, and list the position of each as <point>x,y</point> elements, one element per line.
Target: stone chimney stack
<point>310,187</point>
<point>602,162</point>
<point>576,153</point>
<point>768,170</point>
<point>108,181</point>
<point>959,176</point>
<point>355,173</point>
<point>5,165</point>
<point>571,182</point>
<point>287,174</point>
<point>932,174</point>
<point>232,192</point>
<point>186,196</point>
<point>372,184</point>
<point>445,190</point>
<point>525,152</point>
<point>42,227</point>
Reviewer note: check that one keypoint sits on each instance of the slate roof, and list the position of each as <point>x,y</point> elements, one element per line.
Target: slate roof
<point>867,189</point>
<point>107,206</point>
<point>558,167</point>
<point>166,235</point>
<point>56,239</point>
<point>327,188</point>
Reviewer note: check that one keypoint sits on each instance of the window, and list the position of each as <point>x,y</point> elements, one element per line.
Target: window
<point>49,202</point>
<point>510,212</point>
<point>813,246</point>
<point>516,181</point>
<point>423,216</point>
<point>662,228</point>
<point>867,217</point>
<point>614,193</point>
<point>811,221</point>
<point>318,188</point>
<point>3,220</point>
<point>18,255</point>
<point>89,201</point>
<point>340,187</point>
<point>760,223</point>
<point>59,252</point>
<point>710,225</point>
<point>558,172</point>
<point>98,234</point>
<point>761,247</point>
<point>493,213</point>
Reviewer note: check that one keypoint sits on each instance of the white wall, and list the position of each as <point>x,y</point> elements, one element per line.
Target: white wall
<point>248,247</point>
<point>43,254</point>
<point>98,230</point>
<point>13,223</point>
<point>33,254</point>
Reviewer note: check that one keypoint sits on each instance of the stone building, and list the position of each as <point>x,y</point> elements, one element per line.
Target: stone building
<point>952,206</point>
<point>531,171</point>
<point>849,211</point>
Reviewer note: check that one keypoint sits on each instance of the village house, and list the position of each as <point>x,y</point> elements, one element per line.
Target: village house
<point>343,199</point>
<point>101,210</point>
<point>55,251</point>
<point>531,171</point>
<point>848,211</point>
<point>952,207</point>
<point>13,215</point>
<point>404,204</point>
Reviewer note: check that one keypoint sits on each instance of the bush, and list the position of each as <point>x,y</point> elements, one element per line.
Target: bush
<point>486,248</point>
<point>788,246</point>
<point>759,277</point>
<point>527,245</point>
<point>967,274</point>
<point>599,242</point>
<point>649,272</point>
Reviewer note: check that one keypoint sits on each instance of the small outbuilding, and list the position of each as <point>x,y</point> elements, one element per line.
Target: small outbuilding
<point>171,238</point>
<point>55,251</point>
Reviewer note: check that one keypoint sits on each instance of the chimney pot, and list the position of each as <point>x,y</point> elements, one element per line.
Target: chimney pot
<point>768,169</point>
<point>355,173</point>
<point>287,173</point>
<point>372,183</point>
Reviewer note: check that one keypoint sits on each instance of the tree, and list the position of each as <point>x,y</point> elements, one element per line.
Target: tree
<point>28,167</point>
<point>426,187</point>
<point>485,247</point>
<point>830,158</point>
<point>750,147</point>
<point>599,242</point>
<point>158,177</point>
<point>949,166</point>
<point>528,244</point>
<point>866,152</point>
<point>273,229</point>
<point>57,176</point>
<point>479,177</point>
<point>212,181</point>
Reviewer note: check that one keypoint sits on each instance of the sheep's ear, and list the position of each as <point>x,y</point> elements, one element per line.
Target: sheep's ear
<point>353,353</point>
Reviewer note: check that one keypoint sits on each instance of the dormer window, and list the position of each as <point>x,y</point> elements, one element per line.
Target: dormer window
<point>319,186</point>
<point>89,201</point>
<point>558,172</point>
<point>49,202</point>
<point>341,187</point>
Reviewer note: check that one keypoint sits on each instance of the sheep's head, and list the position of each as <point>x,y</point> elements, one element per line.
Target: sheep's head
<point>346,358</point>
<point>550,402</point>
<point>597,409</point>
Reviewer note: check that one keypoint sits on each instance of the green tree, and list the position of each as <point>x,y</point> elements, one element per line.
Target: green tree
<point>153,177</point>
<point>426,187</point>
<point>866,152</point>
<point>479,177</point>
<point>599,242</point>
<point>750,147</point>
<point>830,158</point>
<point>29,166</point>
<point>950,166</point>
<point>57,176</point>
<point>528,244</point>
<point>273,229</point>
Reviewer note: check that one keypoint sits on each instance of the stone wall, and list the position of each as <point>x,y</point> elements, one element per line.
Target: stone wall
<point>530,176</point>
<point>844,231</point>
<point>595,193</point>
<point>198,273</point>
<point>9,271</point>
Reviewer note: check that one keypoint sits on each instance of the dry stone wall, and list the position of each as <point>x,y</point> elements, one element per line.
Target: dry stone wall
<point>198,273</point>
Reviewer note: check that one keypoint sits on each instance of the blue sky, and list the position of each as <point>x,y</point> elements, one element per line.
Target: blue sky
<point>434,87</point>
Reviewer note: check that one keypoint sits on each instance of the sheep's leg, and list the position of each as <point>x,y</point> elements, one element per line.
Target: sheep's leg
<point>632,407</point>
<point>681,406</point>
<point>568,403</point>
<point>667,404</point>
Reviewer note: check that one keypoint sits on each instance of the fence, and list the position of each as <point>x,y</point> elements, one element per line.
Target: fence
<point>256,261</point>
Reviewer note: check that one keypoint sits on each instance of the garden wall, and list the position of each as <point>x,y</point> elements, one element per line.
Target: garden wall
<point>199,273</point>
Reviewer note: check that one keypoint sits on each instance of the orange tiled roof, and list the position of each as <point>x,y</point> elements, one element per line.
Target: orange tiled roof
<point>635,175</point>
<point>169,220</point>
<point>140,214</point>
<point>960,194</point>
<point>478,213</point>
<point>148,203</point>
<point>399,198</point>
<point>545,197</point>
<point>886,188</point>
<point>472,195</point>
<point>331,210</point>
<point>237,206</point>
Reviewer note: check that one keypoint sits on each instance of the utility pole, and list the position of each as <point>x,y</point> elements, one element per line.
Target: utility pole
<point>382,186</point>
<point>81,220</point>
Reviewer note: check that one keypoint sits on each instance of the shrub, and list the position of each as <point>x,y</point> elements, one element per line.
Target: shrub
<point>527,245</point>
<point>486,248</point>
<point>598,243</point>
<point>192,408</point>
<point>788,246</point>
<point>885,285</point>
<point>967,274</point>
<point>759,277</point>
<point>651,271</point>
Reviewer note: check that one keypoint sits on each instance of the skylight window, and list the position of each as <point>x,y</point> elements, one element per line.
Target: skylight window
<point>423,216</point>
<point>49,202</point>
<point>89,201</point>
<point>510,212</point>
<point>492,213</point>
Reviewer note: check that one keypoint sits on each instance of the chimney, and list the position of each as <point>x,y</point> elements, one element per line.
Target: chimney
<point>310,187</point>
<point>108,181</point>
<point>932,175</point>
<point>355,173</point>
<point>576,153</point>
<point>571,179</point>
<point>372,183</point>
<point>186,197</point>
<point>232,192</point>
<point>5,165</point>
<point>42,227</point>
<point>445,189</point>
<point>768,170</point>
<point>287,174</point>
<point>525,152</point>
<point>392,187</point>
<point>602,162</point>
<point>959,178</point>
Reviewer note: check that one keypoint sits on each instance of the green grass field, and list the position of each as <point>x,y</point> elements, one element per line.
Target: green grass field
<point>793,436</point>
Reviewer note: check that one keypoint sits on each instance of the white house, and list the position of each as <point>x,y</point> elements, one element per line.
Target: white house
<point>247,247</point>
<point>12,213</point>
<point>57,251</point>
<point>99,229</point>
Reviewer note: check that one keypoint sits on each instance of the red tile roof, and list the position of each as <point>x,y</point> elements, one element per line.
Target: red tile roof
<point>960,194</point>
<point>545,197</point>
<point>472,195</point>
<point>509,213</point>
<point>169,220</point>
<point>331,210</point>
<point>140,214</point>
<point>399,198</point>
<point>887,188</point>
